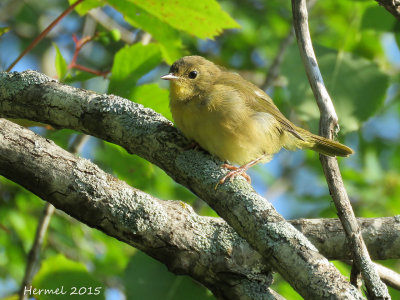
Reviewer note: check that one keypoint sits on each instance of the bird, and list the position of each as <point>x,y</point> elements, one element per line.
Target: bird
<point>233,119</point>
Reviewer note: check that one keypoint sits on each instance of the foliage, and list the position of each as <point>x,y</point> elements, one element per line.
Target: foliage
<point>357,49</point>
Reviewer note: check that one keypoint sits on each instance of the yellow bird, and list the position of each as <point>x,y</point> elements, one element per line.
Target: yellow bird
<point>233,119</point>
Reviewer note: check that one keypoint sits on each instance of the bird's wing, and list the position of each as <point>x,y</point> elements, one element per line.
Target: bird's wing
<point>264,103</point>
<point>259,101</point>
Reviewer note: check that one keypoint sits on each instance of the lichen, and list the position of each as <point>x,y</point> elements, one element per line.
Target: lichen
<point>14,82</point>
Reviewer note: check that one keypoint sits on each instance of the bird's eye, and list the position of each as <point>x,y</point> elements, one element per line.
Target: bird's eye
<point>193,74</point>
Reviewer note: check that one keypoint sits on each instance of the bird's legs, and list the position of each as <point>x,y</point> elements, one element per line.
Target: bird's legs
<point>236,171</point>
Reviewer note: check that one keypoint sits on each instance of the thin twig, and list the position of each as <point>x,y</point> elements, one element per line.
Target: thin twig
<point>77,144</point>
<point>388,276</point>
<point>44,33</point>
<point>48,211</point>
<point>328,122</point>
<point>274,69</point>
<point>33,256</point>
<point>79,43</point>
<point>146,38</point>
<point>106,21</point>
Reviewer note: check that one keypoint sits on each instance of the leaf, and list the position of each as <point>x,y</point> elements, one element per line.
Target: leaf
<point>140,282</point>
<point>169,40</point>
<point>113,256</point>
<point>377,18</point>
<point>204,19</point>
<point>130,64</point>
<point>4,30</point>
<point>152,96</point>
<point>11,297</point>
<point>138,172</point>
<point>86,5</point>
<point>356,85</point>
<point>396,30</point>
<point>68,277</point>
<point>61,64</point>
<point>78,76</point>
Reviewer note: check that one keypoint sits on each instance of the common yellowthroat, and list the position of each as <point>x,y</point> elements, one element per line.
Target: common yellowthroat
<point>233,119</point>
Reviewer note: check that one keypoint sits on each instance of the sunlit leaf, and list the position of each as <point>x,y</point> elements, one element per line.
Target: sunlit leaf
<point>87,5</point>
<point>130,64</point>
<point>204,19</point>
<point>283,288</point>
<point>152,96</point>
<point>61,64</point>
<point>169,39</point>
<point>4,30</point>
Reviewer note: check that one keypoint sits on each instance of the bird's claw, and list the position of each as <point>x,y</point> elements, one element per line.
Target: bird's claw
<point>235,171</point>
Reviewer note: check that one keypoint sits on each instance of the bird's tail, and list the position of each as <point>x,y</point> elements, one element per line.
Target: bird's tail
<point>323,145</point>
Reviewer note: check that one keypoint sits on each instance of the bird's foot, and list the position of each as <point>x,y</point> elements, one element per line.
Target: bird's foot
<point>235,171</point>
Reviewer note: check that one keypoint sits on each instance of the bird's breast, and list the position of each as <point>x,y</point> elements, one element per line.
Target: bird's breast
<point>233,134</point>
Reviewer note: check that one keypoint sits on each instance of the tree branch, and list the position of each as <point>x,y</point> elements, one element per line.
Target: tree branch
<point>390,277</point>
<point>274,69</point>
<point>169,231</point>
<point>34,253</point>
<point>142,131</point>
<point>41,230</point>
<point>328,122</point>
<point>235,261</point>
<point>381,235</point>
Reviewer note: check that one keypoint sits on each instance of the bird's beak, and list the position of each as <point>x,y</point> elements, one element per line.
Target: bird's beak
<point>169,76</point>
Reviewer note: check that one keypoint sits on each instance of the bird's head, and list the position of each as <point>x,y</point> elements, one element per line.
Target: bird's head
<point>190,77</point>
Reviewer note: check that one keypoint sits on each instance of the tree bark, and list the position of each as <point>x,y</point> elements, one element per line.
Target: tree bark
<point>142,131</point>
<point>204,248</point>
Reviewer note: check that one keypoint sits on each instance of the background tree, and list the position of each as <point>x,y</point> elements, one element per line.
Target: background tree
<point>356,47</point>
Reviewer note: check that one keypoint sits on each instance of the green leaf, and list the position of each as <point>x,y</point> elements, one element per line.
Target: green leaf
<point>152,96</point>
<point>356,85</point>
<point>282,287</point>
<point>67,276</point>
<point>377,18</point>
<point>204,19</point>
<point>130,64</point>
<point>61,64</point>
<point>140,282</point>
<point>87,5</point>
<point>396,30</point>
<point>169,39</point>
<point>138,172</point>
<point>130,168</point>
<point>4,30</point>
<point>113,256</point>
<point>115,34</point>
<point>78,77</point>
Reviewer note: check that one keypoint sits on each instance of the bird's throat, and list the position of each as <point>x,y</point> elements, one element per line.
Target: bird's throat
<point>181,92</point>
